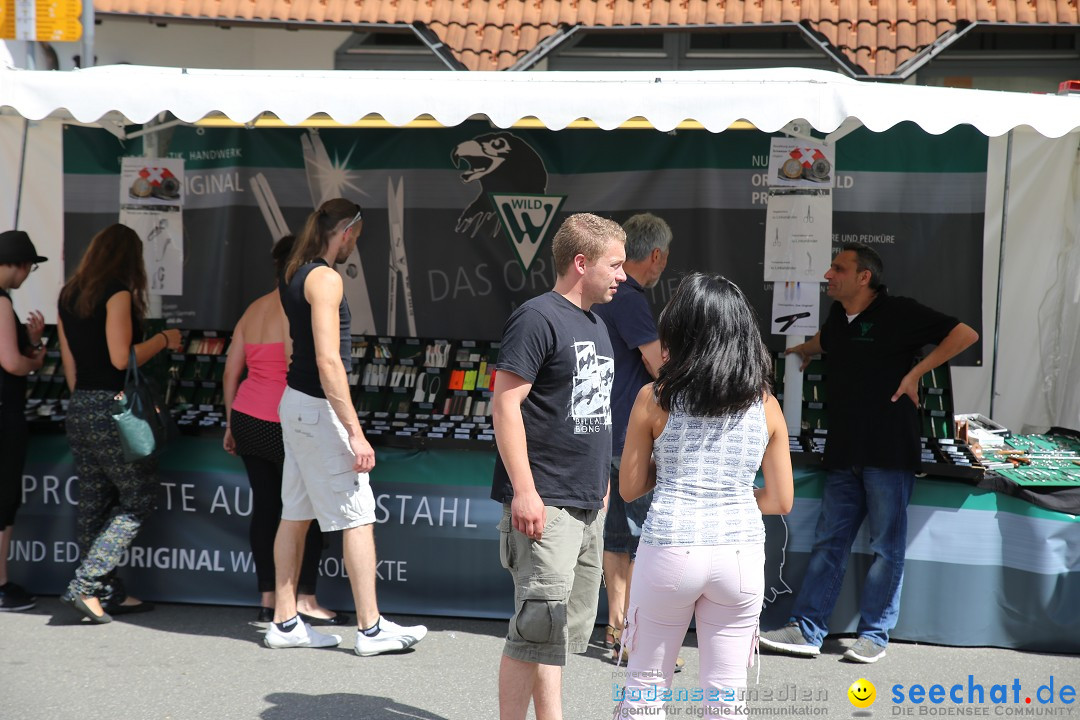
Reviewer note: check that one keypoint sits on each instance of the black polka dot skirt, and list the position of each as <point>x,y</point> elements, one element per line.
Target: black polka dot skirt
<point>260,438</point>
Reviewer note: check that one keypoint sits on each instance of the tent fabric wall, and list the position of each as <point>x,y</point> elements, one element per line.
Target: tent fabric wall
<point>1059,317</point>
<point>41,208</point>
<point>1040,247</point>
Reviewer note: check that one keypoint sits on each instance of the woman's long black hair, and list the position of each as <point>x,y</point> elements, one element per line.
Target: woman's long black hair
<point>717,362</point>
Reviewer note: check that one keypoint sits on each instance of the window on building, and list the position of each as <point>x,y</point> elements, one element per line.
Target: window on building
<point>394,50</point>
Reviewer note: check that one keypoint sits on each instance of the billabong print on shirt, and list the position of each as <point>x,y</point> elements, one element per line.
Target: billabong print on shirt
<point>590,401</point>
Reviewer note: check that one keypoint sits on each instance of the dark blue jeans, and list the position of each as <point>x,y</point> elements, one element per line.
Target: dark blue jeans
<point>622,528</point>
<point>881,496</point>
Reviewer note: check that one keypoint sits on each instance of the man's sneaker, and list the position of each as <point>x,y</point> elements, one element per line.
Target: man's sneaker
<point>14,599</point>
<point>788,640</point>
<point>301,636</point>
<point>865,650</point>
<point>390,637</point>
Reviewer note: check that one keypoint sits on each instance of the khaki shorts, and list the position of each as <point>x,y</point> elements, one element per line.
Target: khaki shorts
<point>318,481</point>
<point>556,584</point>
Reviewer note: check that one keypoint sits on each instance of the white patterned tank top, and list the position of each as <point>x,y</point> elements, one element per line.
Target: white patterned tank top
<point>705,470</point>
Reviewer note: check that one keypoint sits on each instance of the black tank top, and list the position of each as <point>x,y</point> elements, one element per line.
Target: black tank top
<point>90,347</point>
<point>13,387</point>
<point>303,372</point>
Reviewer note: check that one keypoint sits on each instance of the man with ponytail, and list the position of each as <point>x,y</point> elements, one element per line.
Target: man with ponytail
<point>327,457</point>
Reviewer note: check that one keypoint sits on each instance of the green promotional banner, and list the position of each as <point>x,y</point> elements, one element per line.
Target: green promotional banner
<point>982,568</point>
<point>458,221</point>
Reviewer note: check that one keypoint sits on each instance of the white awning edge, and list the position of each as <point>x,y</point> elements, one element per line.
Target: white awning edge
<point>767,98</point>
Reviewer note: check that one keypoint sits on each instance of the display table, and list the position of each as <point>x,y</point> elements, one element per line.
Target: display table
<point>982,569</point>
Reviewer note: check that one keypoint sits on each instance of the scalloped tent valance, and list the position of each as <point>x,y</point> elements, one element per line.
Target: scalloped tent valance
<point>769,99</point>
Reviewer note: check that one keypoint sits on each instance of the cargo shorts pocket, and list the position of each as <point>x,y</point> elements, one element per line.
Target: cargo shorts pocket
<point>343,478</point>
<point>306,420</point>
<point>506,542</point>
<point>541,614</point>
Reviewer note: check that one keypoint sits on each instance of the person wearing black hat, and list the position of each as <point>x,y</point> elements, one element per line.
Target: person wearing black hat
<point>21,353</point>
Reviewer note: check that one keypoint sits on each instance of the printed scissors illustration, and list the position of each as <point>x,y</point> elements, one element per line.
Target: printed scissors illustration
<point>790,320</point>
<point>809,219</point>
<point>395,207</point>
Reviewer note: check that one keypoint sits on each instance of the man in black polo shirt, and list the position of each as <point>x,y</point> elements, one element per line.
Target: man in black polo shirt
<point>872,450</point>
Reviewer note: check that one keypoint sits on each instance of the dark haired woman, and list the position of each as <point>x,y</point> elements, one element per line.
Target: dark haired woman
<point>102,308</point>
<point>253,431</point>
<point>698,435</point>
<point>21,353</point>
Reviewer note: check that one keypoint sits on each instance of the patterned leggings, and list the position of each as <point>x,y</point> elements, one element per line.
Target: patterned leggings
<point>115,496</point>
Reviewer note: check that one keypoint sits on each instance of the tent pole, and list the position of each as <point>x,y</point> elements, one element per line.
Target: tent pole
<point>152,150</point>
<point>88,59</point>
<point>1001,268</point>
<point>22,169</point>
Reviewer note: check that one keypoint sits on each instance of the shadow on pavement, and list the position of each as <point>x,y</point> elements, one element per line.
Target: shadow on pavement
<point>289,706</point>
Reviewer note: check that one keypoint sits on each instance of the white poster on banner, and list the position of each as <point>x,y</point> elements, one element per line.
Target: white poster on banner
<point>797,163</point>
<point>795,308</point>
<point>798,237</point>
<point>151,203</point>
<point>152,182</point>
<point>162,233</point>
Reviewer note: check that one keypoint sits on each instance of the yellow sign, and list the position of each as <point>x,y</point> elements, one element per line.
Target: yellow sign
<point>41,20</point>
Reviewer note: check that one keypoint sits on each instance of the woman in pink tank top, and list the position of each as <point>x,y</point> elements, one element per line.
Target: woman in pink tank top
<point>253,432</point>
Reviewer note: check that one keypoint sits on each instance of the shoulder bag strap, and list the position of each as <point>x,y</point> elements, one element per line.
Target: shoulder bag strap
<point>132,369</point>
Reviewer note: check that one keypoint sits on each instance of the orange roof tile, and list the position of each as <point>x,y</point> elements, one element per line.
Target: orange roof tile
<point>877,35</point>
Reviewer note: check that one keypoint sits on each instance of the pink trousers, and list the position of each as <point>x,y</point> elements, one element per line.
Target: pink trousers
<point>722,587</point>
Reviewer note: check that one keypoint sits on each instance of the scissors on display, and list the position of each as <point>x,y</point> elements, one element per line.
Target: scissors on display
<point>428,388</point>
<point>809,219</point>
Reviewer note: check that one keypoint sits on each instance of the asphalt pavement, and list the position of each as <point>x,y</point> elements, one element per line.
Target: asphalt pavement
<point>188,662</point>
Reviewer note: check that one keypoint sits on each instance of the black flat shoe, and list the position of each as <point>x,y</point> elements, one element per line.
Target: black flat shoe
<point>266,615</point>
<point>338,619</point>
<point>122,609</point>
<point>77,602</point>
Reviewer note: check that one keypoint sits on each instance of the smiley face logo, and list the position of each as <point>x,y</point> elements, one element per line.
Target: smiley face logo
<point>862,693</point>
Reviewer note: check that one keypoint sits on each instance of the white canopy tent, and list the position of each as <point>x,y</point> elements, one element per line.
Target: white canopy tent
<point>1032,195</point>
<point>768,99</point>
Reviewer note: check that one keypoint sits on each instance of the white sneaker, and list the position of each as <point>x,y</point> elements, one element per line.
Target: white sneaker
<point>301,636</point>
<point>391,637</point>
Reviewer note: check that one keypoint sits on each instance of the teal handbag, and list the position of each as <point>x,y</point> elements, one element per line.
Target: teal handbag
<point>142,420</point>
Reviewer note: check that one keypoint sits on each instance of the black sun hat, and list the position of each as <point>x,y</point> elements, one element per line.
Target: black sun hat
<point>16,249</point>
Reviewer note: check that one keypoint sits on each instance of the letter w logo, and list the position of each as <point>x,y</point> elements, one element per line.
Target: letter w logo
<point>526,220</point>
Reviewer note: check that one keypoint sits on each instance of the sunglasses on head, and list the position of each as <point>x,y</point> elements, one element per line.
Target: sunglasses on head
<point>359,217</point>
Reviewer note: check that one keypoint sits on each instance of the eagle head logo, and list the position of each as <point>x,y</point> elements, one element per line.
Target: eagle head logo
<point>499,163</point>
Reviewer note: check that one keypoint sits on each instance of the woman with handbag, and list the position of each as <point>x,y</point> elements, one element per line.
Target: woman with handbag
<point>21,353</point>
<point>101,311</point>
<point>253,431</point>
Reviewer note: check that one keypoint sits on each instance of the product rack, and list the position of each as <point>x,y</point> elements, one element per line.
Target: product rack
<point>417,392</point>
